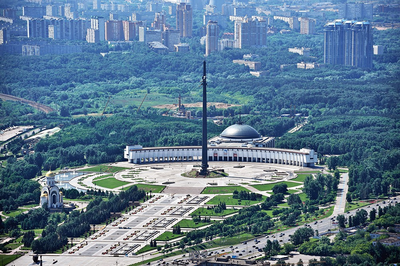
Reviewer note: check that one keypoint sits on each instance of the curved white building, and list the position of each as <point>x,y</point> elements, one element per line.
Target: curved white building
<point>237,143</point>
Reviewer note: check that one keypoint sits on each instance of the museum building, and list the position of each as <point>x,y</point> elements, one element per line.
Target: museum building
<point>237,143</point>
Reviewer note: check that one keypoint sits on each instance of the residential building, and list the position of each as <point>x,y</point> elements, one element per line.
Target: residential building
<point>212,37</point>
<point>159,21</point>
<point>129,28</point>
<point>251,32</point>
<point>182,48</point>
<point>51,10</point>
<point>253,65</point>
<point>184,19</point>
<point>114,30</point>
<point>34,11</point>
<point>98,23</point>
<point>171,38</point>
<point>348,43</point>
<point>4,36</point>
<point>301,51</point>
<point>307,26</point>
<point>378,49</point>
<point>292,21</point>
<point>220,19</point>
<point>356,11</point>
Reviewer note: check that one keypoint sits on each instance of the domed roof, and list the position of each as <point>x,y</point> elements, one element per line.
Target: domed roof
<point>239,131</point>
<point>50,174</point>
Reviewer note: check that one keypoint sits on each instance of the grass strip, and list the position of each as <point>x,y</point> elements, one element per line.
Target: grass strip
<point>223,189</point>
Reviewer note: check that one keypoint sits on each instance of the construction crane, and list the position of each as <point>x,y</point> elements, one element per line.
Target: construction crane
<point>108,100</point>
<point>142,102</point>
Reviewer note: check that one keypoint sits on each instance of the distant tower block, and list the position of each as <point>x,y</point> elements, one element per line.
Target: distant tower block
<point>212,37</point>
<point>184,19</point>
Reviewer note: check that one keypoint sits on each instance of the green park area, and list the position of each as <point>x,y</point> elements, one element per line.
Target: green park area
<point>6,259</point>
<point>229,200</point>
<point>186,223</point>
<point>211,212</point>
<point>300,177</point>
<point>166,236</point>
<point>145,249</point>
<point>356,204</point>
<point>104,169</point>
<point>102,177</point>
<point>110,183</point>
<point>266,187</point>
<point>223,189</point>
<point>151,188</point>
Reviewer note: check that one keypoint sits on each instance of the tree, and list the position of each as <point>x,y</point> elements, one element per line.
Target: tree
<point>372,215</point>
<point>301,235</point>
<point>341,220</point>
<point>280,188</point>
<point>348,197</point>
<point>294,199</point>
<point>28,238</point>
<point>288,247</point>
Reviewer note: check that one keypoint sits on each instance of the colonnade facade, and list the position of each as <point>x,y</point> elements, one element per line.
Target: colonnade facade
<point>303,157</point>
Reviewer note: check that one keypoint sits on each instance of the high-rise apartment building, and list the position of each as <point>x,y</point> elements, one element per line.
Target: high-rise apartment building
<point>95,4</point>
<point>159,21</point>
<point>356,11</point>
<point>184,19</point>
<point>348,43</point>
<point>114,30</point>
<point>171,38</point>
<point>51,10</point>
<point>98,23</point>
<point>129,28</point>
<point>212,37</point>
<point>4,36</point>
<point>251,32</point>
<point>307,26</point>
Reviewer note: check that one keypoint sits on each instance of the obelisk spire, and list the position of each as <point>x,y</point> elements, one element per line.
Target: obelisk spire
<point>204,164</point>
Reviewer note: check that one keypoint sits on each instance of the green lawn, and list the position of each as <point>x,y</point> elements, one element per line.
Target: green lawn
<point>166,236</point>
<point>210,212</point>
<point>15,213</point>
<point>110,183</point>
<point>292,191</point>
<point>340,171</point>
<point>266,187</point>
<point>104,169</point>
<point>228,241</point>
<point>308,172</point>
<point>5,259</point>
<point>223,189</point>
<point>269,212</point>
<point>102,177</point>
<point>145,249</point>
<point>229,200</point>
<point>300,177</point>
<point>303,197</point>
<point>355,205</point>
<point>186,223</point>
<point>152,188</point>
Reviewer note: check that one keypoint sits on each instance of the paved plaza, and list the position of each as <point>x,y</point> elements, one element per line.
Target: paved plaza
<point>118,242</point>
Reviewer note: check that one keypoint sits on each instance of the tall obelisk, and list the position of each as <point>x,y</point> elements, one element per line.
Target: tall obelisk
<point>204,164</point>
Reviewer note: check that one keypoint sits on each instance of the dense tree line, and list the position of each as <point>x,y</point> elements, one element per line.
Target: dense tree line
<point>246,195</point>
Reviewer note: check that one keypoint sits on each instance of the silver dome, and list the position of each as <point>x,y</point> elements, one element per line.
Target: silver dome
<point>238,131</point>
